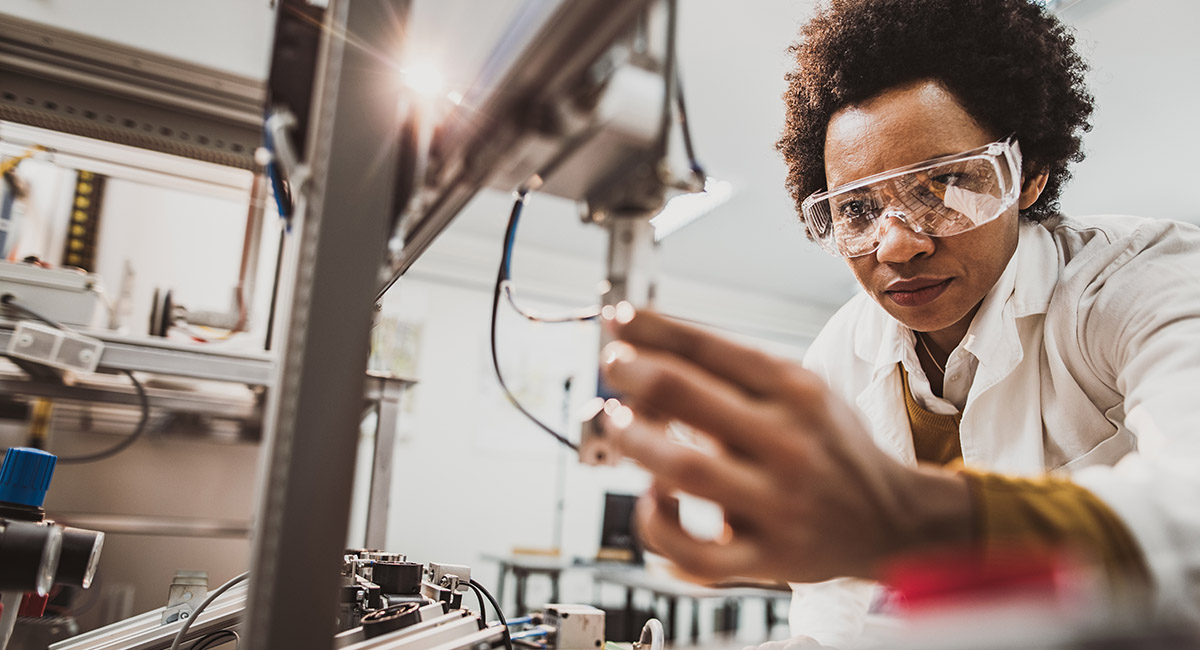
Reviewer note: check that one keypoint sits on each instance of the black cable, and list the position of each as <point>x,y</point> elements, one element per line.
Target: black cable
<point>138,431</point>
<point>499,614</point>
<point>177,642</point>
<point>479,597</point>
<point>275,290</point>
<point>11,301</point>
<point>212,639</point>
<point>501,276</point>
<point>669,84</point>
<point>673,88</point>
<point>697,168</point>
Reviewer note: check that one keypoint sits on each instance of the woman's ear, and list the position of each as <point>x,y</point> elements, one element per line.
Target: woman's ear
<point>1032,190</point>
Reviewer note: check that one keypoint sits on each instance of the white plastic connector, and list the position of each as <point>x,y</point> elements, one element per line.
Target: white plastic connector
<point>54,347</point>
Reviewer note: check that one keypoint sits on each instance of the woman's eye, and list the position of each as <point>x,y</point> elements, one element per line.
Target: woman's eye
<point>949,179</point>
<point>853,209</point>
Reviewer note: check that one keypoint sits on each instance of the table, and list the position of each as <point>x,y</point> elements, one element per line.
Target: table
<point>673,589</point>
<point>523,566</point>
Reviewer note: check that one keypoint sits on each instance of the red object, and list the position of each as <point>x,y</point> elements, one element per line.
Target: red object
<point>933,579</point>
<point>33,605</point>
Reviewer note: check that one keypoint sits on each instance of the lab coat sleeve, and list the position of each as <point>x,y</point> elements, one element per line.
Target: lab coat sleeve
<point>1139,327</point>
<point>832,612</point>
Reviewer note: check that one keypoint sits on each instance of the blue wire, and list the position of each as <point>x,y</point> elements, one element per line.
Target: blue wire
<point>512,235</point>
<point>529,634</point>
<point>281,204</point>
<point>520,620</point>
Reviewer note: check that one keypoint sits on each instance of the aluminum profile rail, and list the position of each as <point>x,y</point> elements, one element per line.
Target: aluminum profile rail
<point>342,223</point>
<point>179,359</point>
<point>69,82</point>
<point>495,113</point>
<point>146,631</point>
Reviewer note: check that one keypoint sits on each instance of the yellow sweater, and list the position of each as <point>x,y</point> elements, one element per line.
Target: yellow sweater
<point>1047,510</point>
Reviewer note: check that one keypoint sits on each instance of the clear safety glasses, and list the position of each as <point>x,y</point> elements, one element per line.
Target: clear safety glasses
<point>940,197</point>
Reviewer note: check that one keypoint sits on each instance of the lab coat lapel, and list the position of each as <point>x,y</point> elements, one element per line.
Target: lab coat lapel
<point>996,432</point>
<point>882,402</point>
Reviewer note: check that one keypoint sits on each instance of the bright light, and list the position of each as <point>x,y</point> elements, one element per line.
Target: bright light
<point>424,79</point>
<point>686,208</point>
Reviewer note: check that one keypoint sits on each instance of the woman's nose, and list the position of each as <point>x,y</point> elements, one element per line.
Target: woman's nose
<point>899,241</point>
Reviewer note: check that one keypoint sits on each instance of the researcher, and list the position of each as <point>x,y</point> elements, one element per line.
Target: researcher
<point>1007,375</point>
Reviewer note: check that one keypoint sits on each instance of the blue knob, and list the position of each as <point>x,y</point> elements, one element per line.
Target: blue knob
<point>25,476</point>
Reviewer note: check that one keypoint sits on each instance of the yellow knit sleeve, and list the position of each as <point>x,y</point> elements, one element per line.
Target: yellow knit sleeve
<point>1058,512</point>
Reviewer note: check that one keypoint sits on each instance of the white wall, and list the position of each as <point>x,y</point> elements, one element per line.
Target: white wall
<point>1145,76</point>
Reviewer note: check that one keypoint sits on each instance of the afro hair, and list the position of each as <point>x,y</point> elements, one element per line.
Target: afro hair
<point>1010,63</point>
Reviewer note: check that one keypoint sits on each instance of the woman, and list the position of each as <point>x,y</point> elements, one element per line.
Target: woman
<point>1008,374</point>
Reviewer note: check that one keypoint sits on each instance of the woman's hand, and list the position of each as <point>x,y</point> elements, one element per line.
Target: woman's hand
<point>806,493</point>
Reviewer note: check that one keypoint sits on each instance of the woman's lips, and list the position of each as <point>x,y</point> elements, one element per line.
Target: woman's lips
<point>914,293</point>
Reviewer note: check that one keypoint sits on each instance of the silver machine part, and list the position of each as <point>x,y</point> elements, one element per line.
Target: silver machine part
<point>147,631</point>
<point>188,589</point>
<point>447,630</point>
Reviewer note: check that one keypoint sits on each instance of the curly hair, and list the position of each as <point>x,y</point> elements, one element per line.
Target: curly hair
<point>1010,63</point>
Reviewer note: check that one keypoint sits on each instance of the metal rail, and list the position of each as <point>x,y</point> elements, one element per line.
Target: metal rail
<point>342,223</point>
<point>74,83</point>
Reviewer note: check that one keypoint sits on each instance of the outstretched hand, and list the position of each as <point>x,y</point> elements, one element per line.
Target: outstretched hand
<point>806,493</point>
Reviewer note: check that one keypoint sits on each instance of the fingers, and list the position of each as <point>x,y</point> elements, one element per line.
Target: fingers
<point>732,483</point>
<point>753,370</point>
<point>673,388</point>
<point>660,529</point>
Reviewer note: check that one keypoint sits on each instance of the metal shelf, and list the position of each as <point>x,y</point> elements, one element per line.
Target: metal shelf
<point>160,356</point>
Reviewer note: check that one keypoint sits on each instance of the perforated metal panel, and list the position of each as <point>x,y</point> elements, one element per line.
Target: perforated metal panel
<point>72,83</point>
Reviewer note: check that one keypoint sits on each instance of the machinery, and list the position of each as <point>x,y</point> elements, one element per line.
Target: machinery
<point>36,554</point>
<point>577,101</point>
<point>386,603</point>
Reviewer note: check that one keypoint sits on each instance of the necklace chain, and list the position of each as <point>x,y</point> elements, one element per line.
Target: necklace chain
<point>930,353</point>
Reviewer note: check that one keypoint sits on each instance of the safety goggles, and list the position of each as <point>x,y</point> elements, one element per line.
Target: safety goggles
<point>941,197</point>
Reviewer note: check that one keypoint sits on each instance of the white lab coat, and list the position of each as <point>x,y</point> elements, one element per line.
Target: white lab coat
<point>1085,360</point>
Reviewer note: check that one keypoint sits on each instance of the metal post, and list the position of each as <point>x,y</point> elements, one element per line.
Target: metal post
<point>387,420</point>
<point>312,420</point>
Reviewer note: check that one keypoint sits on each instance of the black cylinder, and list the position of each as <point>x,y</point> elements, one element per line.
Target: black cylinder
<point>79,558</point>
<point>400,578</point>
<point>28,556</point>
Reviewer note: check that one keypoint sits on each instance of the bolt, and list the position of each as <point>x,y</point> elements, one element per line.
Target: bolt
<point>25,340</point>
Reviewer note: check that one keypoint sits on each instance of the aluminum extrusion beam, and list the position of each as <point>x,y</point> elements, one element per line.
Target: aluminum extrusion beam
<point>158,526</point>
<point>387,417</point>
<point>146,631</point>
<point>73,83</point>
<point>499,110</point>
<point>179,359</point>
<point>312,420</point>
